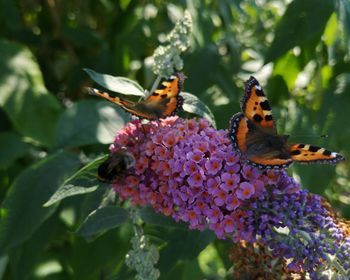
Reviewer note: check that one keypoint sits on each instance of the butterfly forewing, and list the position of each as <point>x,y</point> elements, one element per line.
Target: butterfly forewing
<point>255,105</point>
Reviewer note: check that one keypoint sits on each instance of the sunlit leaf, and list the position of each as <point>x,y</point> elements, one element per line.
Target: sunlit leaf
<point>22,211</point>
<point>89,122</point>
<point>116,84</point>
<point>81,182</point>
<point>194,105</point>
<point>287,66</point>
<point>32,110</point>
<point>331,31</point>
<point>103,219</point>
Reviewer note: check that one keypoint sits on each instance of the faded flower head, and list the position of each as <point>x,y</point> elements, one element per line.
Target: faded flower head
<point>167,58</point>
<point>142,258</point>
<point>188,170</point>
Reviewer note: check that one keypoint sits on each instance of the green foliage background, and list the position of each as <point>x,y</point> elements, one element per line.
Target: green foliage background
<point>299,50</point>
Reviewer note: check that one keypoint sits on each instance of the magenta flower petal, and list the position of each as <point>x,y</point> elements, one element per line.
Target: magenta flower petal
<point>245,191</point>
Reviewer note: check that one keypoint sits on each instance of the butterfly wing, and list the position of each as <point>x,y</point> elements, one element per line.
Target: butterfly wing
<point>163,102</point>
<point>126,105</point>
<point>256,107</point>
<point>305,153</point>
<point>259,148</point>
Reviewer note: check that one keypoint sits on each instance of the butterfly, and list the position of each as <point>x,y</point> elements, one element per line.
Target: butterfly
<point>117,164</point>
<point>254,136</point>
<point>165,101</point>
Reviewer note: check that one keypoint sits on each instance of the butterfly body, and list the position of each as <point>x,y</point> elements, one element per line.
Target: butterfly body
<point>117,164</point>
<point>255,138</point>
<point>165,101</point>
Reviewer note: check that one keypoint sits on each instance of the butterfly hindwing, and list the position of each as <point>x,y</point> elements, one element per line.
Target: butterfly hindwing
<point>270,163</point>
<point>257,147</point>
<point>165,101</point>
<point>238,132</point>
<point>255,105</point>
<point>305,153</point>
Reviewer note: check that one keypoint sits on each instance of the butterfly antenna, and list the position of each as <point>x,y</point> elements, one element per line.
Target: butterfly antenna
<point>311,136</point>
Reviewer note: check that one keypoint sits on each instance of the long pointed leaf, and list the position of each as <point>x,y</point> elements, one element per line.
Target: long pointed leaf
<point>194,105</point>
<point>81,182</point>
<point>116,84</point>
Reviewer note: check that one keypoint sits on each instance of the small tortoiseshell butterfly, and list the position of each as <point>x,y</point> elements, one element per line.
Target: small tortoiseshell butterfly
<point>117,164</point>
<point>255,137</point>
<point>165,101</point>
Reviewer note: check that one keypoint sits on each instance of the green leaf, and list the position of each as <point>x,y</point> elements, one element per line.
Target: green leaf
<point>81,36</point>
<point>194,105</point>
<point>68,191</point>
<point>344,18</point>
<point>23,96</point>
<point>4,259</point>
<point>183,245</point>
<point>150,217</point>
<point>287,66</point>
<point>116,84</point>
<point>81,182</point>
<point>102,220</point>
<point>32,252</point>
<point>89,122</point>
<point>12,148</point>
<point>302,23</point>
<point>10,15</point>
<point>331,31</point>
<point>22,211</point>
<point>90,260</point>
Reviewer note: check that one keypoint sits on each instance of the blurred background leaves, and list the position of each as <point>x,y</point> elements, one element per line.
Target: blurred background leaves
<point>299,50</point>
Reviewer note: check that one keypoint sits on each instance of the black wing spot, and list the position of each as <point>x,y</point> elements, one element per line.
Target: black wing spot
<point>295,152</point>
<point>257,118</point>
<point>313,149</point>
<point>162,86</point>
<point>254,108</point>
<point>327,152</point>
<point>265,105</point>
<point>155,94</point>
<point>301,146</point>
<point>163,96</point>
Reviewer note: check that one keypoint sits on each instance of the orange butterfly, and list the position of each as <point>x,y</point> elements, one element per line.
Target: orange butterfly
<point>115,165</point>
<point>165,101</point>
<point>254,136</point>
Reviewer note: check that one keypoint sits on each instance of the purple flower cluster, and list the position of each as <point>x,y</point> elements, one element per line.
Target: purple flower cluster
<point>298,227</point>
<point>188,170</point>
